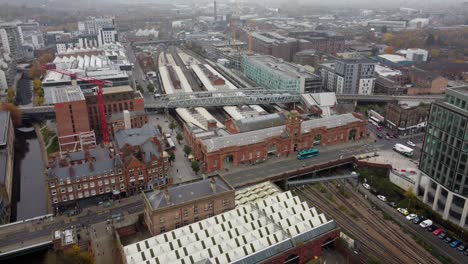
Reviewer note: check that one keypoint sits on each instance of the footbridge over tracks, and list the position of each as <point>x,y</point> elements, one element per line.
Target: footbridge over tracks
<point>222,98</point>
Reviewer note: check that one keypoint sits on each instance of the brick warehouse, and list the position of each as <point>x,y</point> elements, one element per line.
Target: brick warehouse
<point>219,150</point>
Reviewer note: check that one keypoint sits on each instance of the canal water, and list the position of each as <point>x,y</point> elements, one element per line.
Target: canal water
<point>29,194</point>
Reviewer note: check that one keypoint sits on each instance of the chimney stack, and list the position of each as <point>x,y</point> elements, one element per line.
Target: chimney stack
<point>167,196</point>
<point>215,15</point>
<point>213,185</point>
<point>127,122</point>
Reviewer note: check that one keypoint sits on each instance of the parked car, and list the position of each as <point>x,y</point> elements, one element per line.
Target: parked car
<point>448,239</point>
<point>462,247</point>
<point>392,204</point>
<point>409,143</point>
<point>425,223</point>
<point>366,186</point>
<point>455,243</point>
<point>403,211</point>
<point>379,136</point>
<point>438,232</point>
<point>387,137</point>
<point>431,228</point>
<point>442,235</point>
<point>379,128</point>
<point>411,216</point>
<point>418,220</point>
<point>465,252</point>
<point>381,197</point>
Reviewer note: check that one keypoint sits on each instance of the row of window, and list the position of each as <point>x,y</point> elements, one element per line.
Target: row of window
<point>85,194</point>
<point>185,211</point>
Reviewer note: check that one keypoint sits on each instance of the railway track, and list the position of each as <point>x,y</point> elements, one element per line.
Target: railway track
<point>376,238</point>
<point>405,243</point>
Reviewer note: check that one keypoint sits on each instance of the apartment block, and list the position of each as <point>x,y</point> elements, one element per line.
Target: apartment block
<point>349,76</point>
<point>275,74</point>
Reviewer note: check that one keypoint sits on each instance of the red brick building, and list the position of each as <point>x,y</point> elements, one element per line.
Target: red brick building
<point>71,114</point>
<point>144,160</point>
<point>218,150</point>
<point>117,99</point>
<point>187,203</point>
<point>425,82</point>
<point>136,162</point>
<point>116,122</point>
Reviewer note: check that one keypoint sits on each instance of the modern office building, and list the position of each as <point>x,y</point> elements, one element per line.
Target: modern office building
<point>444,159</point>
<point>391,25</point>
<point>349,76</point>
<point>7,138</point>
<point>275,74</point>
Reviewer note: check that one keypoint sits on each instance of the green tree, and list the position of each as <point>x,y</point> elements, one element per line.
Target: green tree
<point>384,29</point>
<point>150,88</point>
<point>74,256</point>
<point>409,194</point>
<point>38,100</point>
<point>172,125</point>
<point>139,88</point>
<point>11,96</point>
<point>195,166</point>
<point>15,113</point>
<point>179,137</point>
<point>171,156</point>
<point>430,40</point>
<point>187,149</point>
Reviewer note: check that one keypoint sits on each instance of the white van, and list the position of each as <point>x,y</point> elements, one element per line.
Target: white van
<point>425,223</point>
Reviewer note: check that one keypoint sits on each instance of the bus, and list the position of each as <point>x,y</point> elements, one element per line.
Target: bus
<point>374,120</point>
<point>400,148</point>
<point>305,154</point>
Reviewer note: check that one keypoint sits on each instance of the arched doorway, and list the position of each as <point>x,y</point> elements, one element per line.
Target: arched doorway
<point>317,139</point>
<point>272,150</point>
<point>352,134</point>
<point>227,161</point>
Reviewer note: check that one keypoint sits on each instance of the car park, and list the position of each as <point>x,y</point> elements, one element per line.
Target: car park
<point>381,197</point>
<point>455,243</point>
<point>431,228</point>
<point>403,211</point>
<point>418,220</point>
<point>462,247</point>
<point>442,235</point>
<point>409,143</point>
<point>425,223</point>
<point>411,216</point>
<point>438,232</point>
<point>366,186</point>
<point>448,239</point>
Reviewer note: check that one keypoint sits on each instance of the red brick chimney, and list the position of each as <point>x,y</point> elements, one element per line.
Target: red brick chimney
<point>211,125</point>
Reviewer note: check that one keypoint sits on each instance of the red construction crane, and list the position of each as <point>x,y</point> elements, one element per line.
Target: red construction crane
<point>100,96</point>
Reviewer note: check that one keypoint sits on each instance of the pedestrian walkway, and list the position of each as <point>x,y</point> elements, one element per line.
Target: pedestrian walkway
<point>103,244</point>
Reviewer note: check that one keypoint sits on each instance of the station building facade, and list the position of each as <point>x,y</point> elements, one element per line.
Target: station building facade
<point>218,150</point>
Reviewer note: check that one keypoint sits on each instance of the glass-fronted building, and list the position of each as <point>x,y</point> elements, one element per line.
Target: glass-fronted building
<point>444,157</point>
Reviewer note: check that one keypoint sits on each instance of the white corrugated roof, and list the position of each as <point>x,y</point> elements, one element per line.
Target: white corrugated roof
<point>253,228</point>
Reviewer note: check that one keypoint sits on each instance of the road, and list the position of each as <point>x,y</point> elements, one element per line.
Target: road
<point>274,166</point>
<point>138,74</point>
<point>440,245</point>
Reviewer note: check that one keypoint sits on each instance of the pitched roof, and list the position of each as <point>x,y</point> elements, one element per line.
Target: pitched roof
<point>136,136</point>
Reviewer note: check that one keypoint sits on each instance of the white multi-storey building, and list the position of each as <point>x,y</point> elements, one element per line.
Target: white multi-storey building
<point>92,26</point>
